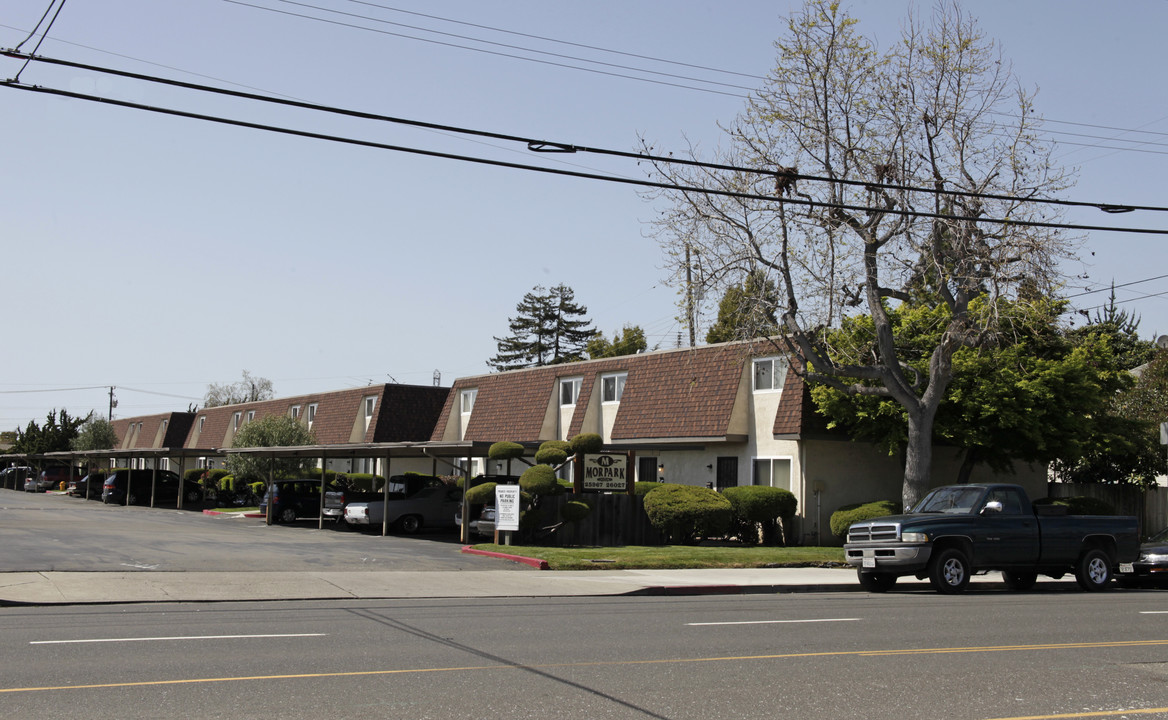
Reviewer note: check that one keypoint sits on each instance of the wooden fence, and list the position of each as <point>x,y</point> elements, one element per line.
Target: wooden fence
<point>615,520</point>
<point>1150,506</point>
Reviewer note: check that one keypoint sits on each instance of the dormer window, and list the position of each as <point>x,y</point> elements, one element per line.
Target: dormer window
<point>570,391</point>
<point>466,400</point>
<point>612,387</point>
<point>770,373</point>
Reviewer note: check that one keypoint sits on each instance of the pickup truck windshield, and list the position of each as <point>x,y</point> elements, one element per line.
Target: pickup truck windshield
<point>950,500</point>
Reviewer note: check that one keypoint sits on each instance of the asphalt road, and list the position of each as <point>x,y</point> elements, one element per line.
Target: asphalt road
<point>974,657</point>
<point>43,532</point>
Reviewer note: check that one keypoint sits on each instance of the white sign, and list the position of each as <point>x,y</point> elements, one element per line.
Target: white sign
<point>606,472</point>
<point>506,507</point>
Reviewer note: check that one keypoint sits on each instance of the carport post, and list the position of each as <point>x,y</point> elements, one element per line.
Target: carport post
<point>153,480</point>
<point>271,498</point>
<point>464,531</point>
<point>385,498</point>
<point>320,520</point>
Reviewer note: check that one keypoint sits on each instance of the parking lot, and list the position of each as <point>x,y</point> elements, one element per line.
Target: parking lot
<point>54,532</point>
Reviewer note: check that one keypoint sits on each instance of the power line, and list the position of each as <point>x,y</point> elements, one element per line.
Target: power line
<point>572,173</point>
<point>53,390</point>
<point>497,53</point>
<point>1113,287</point>
<point>561,147</point>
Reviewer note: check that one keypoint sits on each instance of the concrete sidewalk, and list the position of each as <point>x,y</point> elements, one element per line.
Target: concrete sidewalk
<point>62,588</point>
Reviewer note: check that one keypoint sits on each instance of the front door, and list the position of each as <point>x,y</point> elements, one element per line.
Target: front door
<point>727,473</point>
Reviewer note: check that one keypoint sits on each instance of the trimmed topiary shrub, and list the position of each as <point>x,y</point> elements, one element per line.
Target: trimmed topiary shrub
<point>685,514</point>
<point>575,510</point>
<point>506,451</point>
<point>194,474</point>
<point>760,506</point>
<point>539,480</point>
<point>482,494</point>
<point>841,519</point>
<point>1080,505</point>
<point>552,452</point>
<point>586,443</point>
<point>217,474</point>
<point>641,488</point>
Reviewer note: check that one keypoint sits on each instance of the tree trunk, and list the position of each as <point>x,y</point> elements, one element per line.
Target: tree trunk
<point>918,456</point>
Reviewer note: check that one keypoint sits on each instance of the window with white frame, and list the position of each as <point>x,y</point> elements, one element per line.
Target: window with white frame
<point>612,387</point>
<point>250,415</point>
<point>235,420</point>
<point>570,390</point>
<point>294,412</point>
<point>772,472</point>
<point>370,404</point>
<point>202,420</point>
<point>311,414</point>
<point>770,373</point>
<point>466,400</point>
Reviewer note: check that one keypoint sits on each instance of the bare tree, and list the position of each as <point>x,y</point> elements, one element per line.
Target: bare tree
<point>889,175</point>
<point>249,389</point>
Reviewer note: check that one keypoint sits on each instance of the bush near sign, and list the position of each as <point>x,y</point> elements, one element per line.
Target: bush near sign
<point>606,473</point>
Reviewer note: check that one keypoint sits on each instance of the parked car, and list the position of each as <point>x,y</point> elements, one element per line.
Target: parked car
<point>1151,566</point>
<point>400,487</point>
<point>137,483</point>
<point>50,479</point>
<point>429,507</point>
<point>89,486</point>
<point>484,524</point>
<point>292,499</point>
<point>959,530</point>
<point>12,478</point>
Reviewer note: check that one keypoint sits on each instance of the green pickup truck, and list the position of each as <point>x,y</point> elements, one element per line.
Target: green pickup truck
<point>959,530</point>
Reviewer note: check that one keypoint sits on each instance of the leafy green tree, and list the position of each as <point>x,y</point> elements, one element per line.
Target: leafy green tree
<point>856,174</point>
<point>95,434</point>
<point>747,311</point>
<point>249,389</point>
<point>1128,449</point>
<point>1130,351</point>
<point>56,435</point>
<point>629,341</point>
<point>550,328</point>
<point>270,431</point>
<point>1035,397</point>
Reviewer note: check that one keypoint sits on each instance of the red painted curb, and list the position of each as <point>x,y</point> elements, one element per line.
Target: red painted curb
<point>533,562</point>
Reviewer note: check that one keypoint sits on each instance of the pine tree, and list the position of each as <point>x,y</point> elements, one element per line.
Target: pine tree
<point>746,311</point>
<point>549,328</point>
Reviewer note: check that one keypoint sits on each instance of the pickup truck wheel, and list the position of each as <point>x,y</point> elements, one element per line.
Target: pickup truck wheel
<point>876,582</point>
<point>1019,580</point>
<point>409,524</point>
<point>1093,571</point>
<point>949,571</point>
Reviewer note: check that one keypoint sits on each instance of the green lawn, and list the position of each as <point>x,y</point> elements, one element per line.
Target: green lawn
<point>674,556</point>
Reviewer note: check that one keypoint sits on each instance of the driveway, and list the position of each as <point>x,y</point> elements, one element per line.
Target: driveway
<point>49,532</point>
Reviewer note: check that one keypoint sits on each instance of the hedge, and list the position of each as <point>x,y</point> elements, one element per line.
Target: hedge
<point>760,505</point>
<point>686,514</point>
<point>841,519</point>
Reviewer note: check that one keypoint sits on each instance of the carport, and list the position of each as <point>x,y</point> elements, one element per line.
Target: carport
<point>444,453</point>
<point>155,454</point>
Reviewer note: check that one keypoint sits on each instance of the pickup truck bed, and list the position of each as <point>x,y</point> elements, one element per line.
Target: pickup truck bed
<point>959,530</point>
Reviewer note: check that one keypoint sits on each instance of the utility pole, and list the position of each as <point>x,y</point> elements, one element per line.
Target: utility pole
<point>689,300</point>
<point>113,403</point>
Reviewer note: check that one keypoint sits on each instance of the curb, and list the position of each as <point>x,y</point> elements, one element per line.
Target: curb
<point>532,562</point>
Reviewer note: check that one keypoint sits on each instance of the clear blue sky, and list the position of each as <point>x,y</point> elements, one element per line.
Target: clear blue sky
<point>161,254</point>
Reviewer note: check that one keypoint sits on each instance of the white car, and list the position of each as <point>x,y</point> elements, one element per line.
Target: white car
<point>429,507</point>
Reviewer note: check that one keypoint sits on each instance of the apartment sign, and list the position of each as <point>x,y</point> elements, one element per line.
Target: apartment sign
<point>606,473</point>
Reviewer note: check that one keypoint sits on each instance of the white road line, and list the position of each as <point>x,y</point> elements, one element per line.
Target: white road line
<point>777,622</point>
<point>179,637</point>
<point>1153,612</point>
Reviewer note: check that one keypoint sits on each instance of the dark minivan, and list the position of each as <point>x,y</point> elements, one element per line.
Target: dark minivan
<point>166,488</point>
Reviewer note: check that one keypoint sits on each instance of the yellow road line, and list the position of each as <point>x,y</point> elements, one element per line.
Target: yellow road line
<point>611,663</point>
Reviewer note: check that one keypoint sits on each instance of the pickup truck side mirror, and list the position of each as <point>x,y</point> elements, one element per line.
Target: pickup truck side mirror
<point>992,507</point>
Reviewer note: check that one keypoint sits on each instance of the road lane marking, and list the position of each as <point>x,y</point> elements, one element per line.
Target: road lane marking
<point>1096,714</point>
<point>775,622</point>
<point>176,637</point>
<point>603,663</point>
<point>1153,612</point>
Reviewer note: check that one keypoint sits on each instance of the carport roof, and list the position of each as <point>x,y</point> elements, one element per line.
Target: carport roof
<point>398,449</point>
